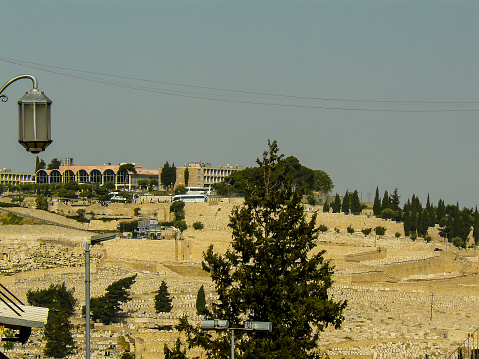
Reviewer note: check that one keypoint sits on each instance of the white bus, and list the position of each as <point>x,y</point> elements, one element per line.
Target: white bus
<point>198,190</point>
<point>190,197</point>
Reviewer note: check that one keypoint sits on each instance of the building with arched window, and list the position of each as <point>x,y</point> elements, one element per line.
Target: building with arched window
<point>96,174</point>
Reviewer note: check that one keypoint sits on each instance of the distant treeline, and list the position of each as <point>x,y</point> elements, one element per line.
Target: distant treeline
<point>454,224</point>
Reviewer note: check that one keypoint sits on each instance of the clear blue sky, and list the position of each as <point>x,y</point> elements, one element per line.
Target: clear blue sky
<point>226,76</point>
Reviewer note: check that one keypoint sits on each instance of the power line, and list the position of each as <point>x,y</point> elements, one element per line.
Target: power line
<point>253,98</point>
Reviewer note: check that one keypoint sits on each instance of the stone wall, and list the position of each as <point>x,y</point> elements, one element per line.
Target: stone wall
<point>378,253</point>
<point>443,263</point>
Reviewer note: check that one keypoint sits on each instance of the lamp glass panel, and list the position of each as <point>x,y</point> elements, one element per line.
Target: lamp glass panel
<point>25,118</point>
<point>42,121</point>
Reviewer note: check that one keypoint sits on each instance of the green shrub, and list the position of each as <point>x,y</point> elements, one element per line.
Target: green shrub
<point>350,230</point>
<point>459,242</point>
<point>380,231</point>
<point>181,225</point>
<point>127,355</point>
<point>11,219</point>
<point>128,226</point>
<point>413,236</point>
<point>198,225</point>
<point>180,190</point>
<point>79,219</point>
<point>41,202</point>
<point>388,213</point>
<point>366,231</point>
<point>398,235</point>
<point>322,228</point>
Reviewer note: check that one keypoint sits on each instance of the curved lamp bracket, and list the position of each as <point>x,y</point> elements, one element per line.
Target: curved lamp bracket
<point>31,77</point>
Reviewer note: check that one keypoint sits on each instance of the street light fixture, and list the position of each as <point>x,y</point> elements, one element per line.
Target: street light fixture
<point>93,240</point>
<point>34,117</point>
<point>219,324</point>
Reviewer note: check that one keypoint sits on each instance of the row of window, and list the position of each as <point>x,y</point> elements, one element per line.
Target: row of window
<point>210,179</point>
<point>82,176</point>
<point>15,177</point>
<point>217,172</point>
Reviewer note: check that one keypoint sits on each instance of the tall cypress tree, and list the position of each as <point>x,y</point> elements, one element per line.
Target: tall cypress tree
<point>431,212</point>
<point>475,233</point>
<point>201,301</point>
<point>441,211</point>
<point>346,203</point>
<point>386,203</point>
<point>336,205</point>
<point>355,203</point>
<point>187,176</point>
<point>377,204</point>
<point>420,228</point>
<point>407,223</point>
<point>458,223</point>
<point>425,222</point>
<point>413,226</point>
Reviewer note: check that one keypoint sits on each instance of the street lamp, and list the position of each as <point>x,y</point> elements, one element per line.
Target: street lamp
<point>93,240</point>
<point>34,117</point>
<point>219,324</point>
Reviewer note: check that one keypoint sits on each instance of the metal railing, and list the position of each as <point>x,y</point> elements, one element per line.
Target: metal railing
<point>468,349</point>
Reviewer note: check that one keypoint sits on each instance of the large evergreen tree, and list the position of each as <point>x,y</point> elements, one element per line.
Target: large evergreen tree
<point>394,204</point>
<point>127,167</point>
<point>168,175</point>
<point>162,299</point>
<point>176,353</point>
<point>394,200</point>
<point>54,164</point>
<point>58,329</point>
<point>107,308</point>
<point>271,273</point>
<point>302,177</point>
<point>322,182</point>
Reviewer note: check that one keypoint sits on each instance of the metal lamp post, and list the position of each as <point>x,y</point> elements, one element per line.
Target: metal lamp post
<point>34,117</point>
<point>94,240</point>
<point>219,324</point>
